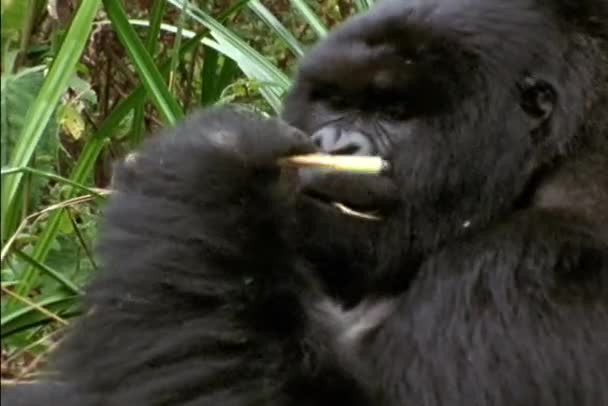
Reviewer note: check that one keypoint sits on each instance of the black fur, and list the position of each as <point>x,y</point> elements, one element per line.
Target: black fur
<point>486,283</point>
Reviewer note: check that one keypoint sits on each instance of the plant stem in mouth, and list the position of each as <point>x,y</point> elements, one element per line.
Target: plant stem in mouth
<point>372,165</point>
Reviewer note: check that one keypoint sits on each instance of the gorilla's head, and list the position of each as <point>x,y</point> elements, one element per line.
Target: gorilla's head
<point>476,104</point>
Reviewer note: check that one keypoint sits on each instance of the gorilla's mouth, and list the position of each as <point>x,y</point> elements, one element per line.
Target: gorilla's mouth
<point>371,215</point>
<point>354,185</point>
<point>365,213</point>
<point>365,196</point>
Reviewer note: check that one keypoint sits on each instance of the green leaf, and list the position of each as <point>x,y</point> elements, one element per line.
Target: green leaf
<point>156,16</point>
<point>26,316</point>
<point>85,164</point>
<point>217,74</point>
<point>255,66</point>
<point>271,21</point>
<point>15,20</point>
<point>43,107</point>
<point>144,63</point>
<point>50,272</point>
<point>363,5</point>
<point>71,121</point>
<point>18,93</point>
<point>84,167</point>
<point>49,175</point>
<point>310,17</point>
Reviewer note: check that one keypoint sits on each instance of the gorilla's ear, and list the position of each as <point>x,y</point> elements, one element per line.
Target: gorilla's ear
<point>537,99</point>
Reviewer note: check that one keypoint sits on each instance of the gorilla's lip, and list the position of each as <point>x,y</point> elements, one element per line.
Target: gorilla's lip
<point>343,209</point>
<point>366,196</point>
<point>349,206</point>
<point>372,216</point>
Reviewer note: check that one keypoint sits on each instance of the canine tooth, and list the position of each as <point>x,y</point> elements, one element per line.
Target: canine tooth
<point>350,212</point>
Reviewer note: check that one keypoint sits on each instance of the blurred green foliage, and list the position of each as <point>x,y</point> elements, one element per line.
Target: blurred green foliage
<point>83,82</point>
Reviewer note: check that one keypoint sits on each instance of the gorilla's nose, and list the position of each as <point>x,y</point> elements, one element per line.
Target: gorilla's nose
<point>339,141</point>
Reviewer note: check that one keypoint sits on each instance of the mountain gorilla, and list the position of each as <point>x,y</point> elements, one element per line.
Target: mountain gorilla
<point>485,282</point>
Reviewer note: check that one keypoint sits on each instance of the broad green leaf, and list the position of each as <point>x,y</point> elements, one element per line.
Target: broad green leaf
<point>18,93</point>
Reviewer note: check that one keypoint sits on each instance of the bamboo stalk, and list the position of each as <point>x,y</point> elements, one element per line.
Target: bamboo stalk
<point>372,165</point>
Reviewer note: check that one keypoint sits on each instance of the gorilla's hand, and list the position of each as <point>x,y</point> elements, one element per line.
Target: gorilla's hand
<point>216,173</point>
<point>196,258</point>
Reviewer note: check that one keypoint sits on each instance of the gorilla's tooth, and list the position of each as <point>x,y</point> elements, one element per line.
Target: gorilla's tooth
<point>351,212</point>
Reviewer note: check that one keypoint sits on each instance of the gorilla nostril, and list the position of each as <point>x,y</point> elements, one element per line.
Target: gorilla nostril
<point>347,149</point>
<point>326,137</point>
<point>333,140</point>
<point>354,143</point>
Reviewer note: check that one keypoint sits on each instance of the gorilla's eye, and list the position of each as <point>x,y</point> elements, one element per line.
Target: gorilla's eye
<point>332,95</point>
<point>396,111</point>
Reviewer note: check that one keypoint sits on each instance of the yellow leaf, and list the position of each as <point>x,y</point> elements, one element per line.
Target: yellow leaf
<point>71,121</point>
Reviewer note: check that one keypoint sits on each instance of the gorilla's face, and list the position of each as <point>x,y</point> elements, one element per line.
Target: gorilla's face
<point>466,101</point>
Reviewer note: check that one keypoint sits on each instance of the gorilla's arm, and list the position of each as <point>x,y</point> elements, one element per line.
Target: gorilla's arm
<point>199,298</point>
<point>43,393</point>
<point>513,316</point>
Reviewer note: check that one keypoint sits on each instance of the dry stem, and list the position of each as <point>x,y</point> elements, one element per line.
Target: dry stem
<point>372,165</point>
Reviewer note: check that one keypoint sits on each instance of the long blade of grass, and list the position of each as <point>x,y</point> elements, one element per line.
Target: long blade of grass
<point>148,72</point>
<point>176,44</point>
<point>271,21</point>
<point>27,316</point>
<point>249,60</point>
<point>215,74</point>
<point>218,73</point>
<point>228,72</point>
<point>68,284</point>
<point>311,18</point>
<point>40,112</point>
<point>363,5</point>
<point>211,64</point>
<point>273,81</point>
<point>49,175</point>
<point>156,16</point>
<point>271,92</point>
